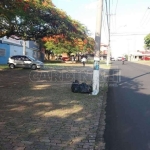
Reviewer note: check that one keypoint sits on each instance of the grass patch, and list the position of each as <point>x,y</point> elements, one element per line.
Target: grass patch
<point>65,103</point>
<point>53,61</point>
<point>4,66</point>
<point>92,61</point>
<point>53,64</point>
<point>105,66</point>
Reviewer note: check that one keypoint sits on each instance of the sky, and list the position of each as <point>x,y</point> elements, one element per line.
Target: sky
<point>129,21</point>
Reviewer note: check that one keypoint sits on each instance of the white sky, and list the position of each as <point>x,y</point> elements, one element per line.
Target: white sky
<point>130,19</point>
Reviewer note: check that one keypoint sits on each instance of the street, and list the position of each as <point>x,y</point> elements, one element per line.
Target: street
<point>128,109</point>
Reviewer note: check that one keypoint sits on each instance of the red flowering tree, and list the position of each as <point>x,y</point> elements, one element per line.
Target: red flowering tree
<point>61,44</point>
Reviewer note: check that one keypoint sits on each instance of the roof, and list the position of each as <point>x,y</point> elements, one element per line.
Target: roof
<point>139,54</point>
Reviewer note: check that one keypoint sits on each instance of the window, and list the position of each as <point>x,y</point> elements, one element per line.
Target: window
<point>26,59</point>
<point>13,57</point>
<point>22,58</point>
<point>16,57</point>
<point>2,52</point>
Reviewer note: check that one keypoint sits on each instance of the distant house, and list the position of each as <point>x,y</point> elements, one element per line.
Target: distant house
<point>139,55</point>
<point>10,47</point>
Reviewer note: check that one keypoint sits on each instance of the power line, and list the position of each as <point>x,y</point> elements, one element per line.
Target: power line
<point>108,52</point>
<point>143,21</point>
<point>144,15</point>
<point>107,13</point>
<point>126,34</point>
<point>116,13</point>
<point>148,18</point>
<point>104,23</point>
<point>112,18</point>
<point>116,7</point>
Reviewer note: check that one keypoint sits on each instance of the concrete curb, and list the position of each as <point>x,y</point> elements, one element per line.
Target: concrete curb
<point>100,143</point>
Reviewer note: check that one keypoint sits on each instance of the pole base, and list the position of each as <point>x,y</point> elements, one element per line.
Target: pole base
<point>95,92</point>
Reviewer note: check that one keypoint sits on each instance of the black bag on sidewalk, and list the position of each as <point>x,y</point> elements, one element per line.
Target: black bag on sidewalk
<point>84,88</point>
<point>80,88</point>
<point>75,86</point>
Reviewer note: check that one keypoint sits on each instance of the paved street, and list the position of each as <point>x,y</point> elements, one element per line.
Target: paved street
<point>128,109</point>
<point>46,115</point>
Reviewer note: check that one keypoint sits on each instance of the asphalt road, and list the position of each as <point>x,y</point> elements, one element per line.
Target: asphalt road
<point>128,109</point>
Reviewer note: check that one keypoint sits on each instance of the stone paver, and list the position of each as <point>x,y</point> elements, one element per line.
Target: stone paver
<point>31,118</point>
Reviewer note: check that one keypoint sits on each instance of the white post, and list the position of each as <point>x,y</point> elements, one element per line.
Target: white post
<point>24,47</point>
<point>97,48</point>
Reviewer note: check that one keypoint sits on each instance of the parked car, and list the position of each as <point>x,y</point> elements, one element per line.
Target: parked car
<point>119,58</point>
<point>23,61</point>
<point>65,58</point>
<point>125,59</point>
<point>112,59</point>
<point>146,58</point>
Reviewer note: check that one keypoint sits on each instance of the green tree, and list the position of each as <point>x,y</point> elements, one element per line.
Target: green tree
<point>61,44</point>
<point>34,19</point>
<point>147,41</point>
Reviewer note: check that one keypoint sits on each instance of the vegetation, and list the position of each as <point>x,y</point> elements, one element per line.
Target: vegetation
<point>60,44</point>
<point>4,67</point>
<point>41,21</point>
<point>35,19</point>
<point>147,41</point>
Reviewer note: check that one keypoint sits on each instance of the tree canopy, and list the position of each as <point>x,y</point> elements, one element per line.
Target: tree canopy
<point>35,19</point>
<point>147,41</point>
<point>59,44</point>
<point>40,20</point>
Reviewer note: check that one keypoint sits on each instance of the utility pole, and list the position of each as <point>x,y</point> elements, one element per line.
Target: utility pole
<point>128,50</point>
<point>108,52</point>
<point>109,45</point>
<point>109,48</point>
<point>96,72</point>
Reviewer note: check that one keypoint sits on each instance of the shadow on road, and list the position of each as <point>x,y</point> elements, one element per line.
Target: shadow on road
<point>128,115</point>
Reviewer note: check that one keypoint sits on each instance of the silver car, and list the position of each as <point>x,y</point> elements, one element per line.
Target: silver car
<point>23,61</point>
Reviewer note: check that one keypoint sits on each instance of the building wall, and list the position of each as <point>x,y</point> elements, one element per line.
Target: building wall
<point>32,44</point>
<point>29,52</point>
<point>11,50</point>
<point>10,47</point>
<point>16,50</point>
<point>4,53</point>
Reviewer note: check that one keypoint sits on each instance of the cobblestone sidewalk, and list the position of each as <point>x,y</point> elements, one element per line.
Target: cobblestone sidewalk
<point>41,116</point>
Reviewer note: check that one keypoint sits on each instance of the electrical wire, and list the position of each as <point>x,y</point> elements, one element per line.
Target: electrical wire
<point>104,24</point>
<point>143,21</point>
<point>116,7</point>
<point>128,34</point>
<point>107,14</point>
<point>116,13</point>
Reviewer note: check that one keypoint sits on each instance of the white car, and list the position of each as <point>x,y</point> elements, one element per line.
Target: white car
<point>23,61</point>
<point>119,58</point>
